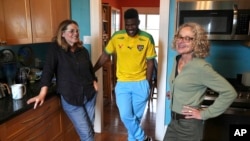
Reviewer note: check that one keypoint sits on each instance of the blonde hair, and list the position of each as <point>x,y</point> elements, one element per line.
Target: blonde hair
<point>200,42</point>
<point>61,40</point>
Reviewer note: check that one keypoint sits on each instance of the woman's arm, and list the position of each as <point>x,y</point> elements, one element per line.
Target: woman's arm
<point>39,99</point>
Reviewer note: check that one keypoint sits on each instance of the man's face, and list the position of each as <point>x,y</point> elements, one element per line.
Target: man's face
<point>131,26</point>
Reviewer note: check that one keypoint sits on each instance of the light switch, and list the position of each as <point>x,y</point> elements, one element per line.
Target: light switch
<point>86,39</point>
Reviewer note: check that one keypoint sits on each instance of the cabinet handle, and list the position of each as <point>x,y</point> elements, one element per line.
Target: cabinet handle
<point>3,43</point>
<point>30,120</point>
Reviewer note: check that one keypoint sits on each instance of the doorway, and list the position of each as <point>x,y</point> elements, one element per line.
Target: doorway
<point>96,33</point>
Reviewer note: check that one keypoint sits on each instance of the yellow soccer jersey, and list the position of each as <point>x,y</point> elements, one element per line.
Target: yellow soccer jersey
<point>132,54</point>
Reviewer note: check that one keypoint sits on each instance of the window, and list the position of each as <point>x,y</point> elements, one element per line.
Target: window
<point>115,20</point>
<point>150,23</point>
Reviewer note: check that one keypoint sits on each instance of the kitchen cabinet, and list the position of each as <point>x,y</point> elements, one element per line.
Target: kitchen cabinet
<point>31,21</point>
<point>69,130</point>
<point>45,123</point>
<point>1,133</point>
<point>16,24</point>
<point>107,71</point>
<point>2,33</point>
<point>243,4</point>
<point>111,23</point>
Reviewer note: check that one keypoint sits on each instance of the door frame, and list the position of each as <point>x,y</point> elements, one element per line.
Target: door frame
<point>96,50</point>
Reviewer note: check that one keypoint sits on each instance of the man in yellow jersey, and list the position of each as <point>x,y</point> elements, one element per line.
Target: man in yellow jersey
<point>135,53</point>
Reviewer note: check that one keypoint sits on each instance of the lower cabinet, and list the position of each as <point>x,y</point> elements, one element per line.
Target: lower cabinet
<point>69,133</point>
<point>1,134</point>
<point>48,122</point>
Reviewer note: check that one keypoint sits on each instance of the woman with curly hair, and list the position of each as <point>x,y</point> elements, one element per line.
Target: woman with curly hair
<point>190,77</point>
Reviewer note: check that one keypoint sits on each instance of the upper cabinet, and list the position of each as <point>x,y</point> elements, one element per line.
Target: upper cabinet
<point>243,4</point>
<point>16,22</point>
<point>31,21</point>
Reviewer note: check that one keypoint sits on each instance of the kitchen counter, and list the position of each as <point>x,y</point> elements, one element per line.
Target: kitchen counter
<point>240,106</point>
<point>218,128</point>
<point>10,108</point>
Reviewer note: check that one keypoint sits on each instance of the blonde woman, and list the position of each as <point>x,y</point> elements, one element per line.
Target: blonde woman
<point>190,77</point>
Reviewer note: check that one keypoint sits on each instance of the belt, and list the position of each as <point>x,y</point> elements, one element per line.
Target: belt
<point>177,116</point>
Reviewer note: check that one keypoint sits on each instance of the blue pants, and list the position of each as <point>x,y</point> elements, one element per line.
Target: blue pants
<point>131,99</point>
<point>78,117</point>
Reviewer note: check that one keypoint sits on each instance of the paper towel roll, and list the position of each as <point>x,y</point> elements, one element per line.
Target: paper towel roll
<point>246,79</point>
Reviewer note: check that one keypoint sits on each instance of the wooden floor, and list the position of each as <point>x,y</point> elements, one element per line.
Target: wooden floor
<point>114,129</point>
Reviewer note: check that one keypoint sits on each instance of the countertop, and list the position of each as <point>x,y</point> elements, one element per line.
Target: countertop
<point>10,108</point>
<point>240,106</point>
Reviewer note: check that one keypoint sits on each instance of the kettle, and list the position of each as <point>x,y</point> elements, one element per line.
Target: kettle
<point>22,75</point>
<point>3,89</point>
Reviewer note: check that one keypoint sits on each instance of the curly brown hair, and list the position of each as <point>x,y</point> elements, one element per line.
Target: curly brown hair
<point>58,36</point>
<point>200,41</point>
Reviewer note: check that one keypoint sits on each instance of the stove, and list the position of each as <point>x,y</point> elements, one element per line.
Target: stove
<point>218,128</point>
<point>241,104</point>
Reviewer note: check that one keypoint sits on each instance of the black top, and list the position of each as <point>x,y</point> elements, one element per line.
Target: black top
<point>74,73</point>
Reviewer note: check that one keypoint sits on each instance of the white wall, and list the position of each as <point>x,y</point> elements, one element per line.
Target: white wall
<point>96,45</point>
<point>162,70</point>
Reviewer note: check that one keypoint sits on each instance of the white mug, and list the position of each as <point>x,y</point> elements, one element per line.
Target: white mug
<point>18,91</point>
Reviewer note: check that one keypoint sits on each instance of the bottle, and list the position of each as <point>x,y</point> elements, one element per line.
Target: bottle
<point>22,75</point>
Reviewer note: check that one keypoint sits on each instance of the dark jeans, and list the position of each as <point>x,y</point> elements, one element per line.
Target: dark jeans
<point>184,130</point>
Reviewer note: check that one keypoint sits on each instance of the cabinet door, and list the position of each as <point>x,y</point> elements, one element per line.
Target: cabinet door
<point>61,13</point>
<point>41,18</point>
<point>31,21</point>
<point>54,130</point>
<point>243,4</point>
<point>16,21</point>
<point>69,130</point>
<point>2,32</point>
<point>19,126</point>
<point>46,16</point>
<point>2,132</point>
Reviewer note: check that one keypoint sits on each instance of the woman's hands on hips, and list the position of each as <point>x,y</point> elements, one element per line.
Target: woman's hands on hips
<point>168,95</point>
<point>191,112</point>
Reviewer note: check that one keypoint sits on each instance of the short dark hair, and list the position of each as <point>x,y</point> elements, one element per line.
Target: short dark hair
<point>131,14</point>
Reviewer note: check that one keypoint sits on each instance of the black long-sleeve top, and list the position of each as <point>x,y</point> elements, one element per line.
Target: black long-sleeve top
<point>74,73</point>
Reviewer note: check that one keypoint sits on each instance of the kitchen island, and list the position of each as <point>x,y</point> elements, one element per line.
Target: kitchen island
<point>19,121</point>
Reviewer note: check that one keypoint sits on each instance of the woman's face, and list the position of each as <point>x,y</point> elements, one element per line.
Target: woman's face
<point>184,41</point>
<point>71,34</point>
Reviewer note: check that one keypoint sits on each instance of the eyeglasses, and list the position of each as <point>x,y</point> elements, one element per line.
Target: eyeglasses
<point>185,39</point>
<point>73,31</point>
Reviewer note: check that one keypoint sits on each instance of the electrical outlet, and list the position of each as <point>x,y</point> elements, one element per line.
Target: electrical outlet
<point>86,39</point>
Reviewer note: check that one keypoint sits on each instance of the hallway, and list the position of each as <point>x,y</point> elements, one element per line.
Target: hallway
<point>113,126</point>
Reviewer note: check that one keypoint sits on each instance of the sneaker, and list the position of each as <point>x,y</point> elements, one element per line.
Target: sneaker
<point>148,139</point>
